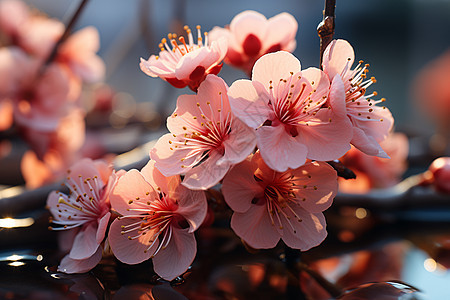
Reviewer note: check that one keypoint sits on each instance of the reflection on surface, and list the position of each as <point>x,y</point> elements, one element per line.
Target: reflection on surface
<point>13,223</point>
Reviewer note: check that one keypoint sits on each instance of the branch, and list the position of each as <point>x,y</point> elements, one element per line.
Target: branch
<point>66,33</point>
<point>325,29</point>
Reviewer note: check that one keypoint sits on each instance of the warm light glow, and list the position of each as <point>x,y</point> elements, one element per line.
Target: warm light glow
<point>12,223</point>
<point>14,257</point>
<point>430,265</point>
<point>39,257</point>
<point>361,213</point>
<point>16,264</point>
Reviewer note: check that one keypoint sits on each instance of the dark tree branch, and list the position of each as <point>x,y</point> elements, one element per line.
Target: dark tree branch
<point>66,33</point>
<point>325,29</point>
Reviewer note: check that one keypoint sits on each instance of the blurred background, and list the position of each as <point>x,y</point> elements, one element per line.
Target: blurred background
<point>397,39</point>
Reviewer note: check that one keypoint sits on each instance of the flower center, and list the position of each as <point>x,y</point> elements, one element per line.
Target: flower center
<point>156,218</point>
<point>83,204</point>
<point>281,195</point>
<point>207,135</point>
<point>291,100</point>
<point>182,48</point>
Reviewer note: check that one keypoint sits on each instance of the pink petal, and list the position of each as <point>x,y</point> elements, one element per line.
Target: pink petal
<point>255,227</point>
<point>153,176</point>
<point>157,67</point>
<point>338,57</point>
<point>321,176</point>
<point>275,66</point>
<point>240,143</point>
<point>192,206</point>
<point>280,150</point>
<point>206,174</point>
<point>281,29</point>
<point>70,266</point>
<point>213,90</point>
<point>186,115</point>
<point>6,114</point>
<point>199,57</point>
<point>248,22</point>
<point>240,187</point>
<point>178,256</point>
<point>373,127</point>
<point>310,232</point>
<point>133,188</point>
<point>102,225</point>
<point>326,140</point>
<point>85,243</point>
<point>249,105</point>
<point>128,251</point>
<point>170,160</point>
<point>319,82</point>
<point>80,49</point>
<point>367,144</point>
<point>66,238</point>
<point>337,97</point>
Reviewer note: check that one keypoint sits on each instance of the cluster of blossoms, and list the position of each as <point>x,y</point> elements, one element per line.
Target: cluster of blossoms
<point>40,91</point>
<point>265,140</point>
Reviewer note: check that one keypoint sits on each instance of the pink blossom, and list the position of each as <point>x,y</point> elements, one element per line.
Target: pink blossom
<point>371,123</point>
<point>250,35</point>
<point>379,172</point>
<point>86,210</point>
<point>186,64</point>
<point>158,220</point>
<point>40,100</point>
<point>296,115</point>
<point>53,151</point>
<point>13,14</point>
<point>205,139</point>
<point>440,168</point>
<point>270,205</point>
<point>79,53</point>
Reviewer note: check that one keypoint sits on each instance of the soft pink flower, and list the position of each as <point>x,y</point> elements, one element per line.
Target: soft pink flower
<point>289,110</point>
<point>40,99</point>
<point>250,36</point>
<point>79,53</point>
<point>270,205</point>
<point>158,220</point>
<point>440,168</point>
<point>86,210</point>
<point>187,63</point>
<point>53,151</point>
<point>205,140</point>
<point>371,123</point>
<point>13,14</point>
<point>379,171</point>
<point>6,114</point>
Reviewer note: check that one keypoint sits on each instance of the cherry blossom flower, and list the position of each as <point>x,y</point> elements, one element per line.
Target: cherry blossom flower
<point>371,123</point>
<point>85,211</point>
<point>13,14</point>
<point>373,171</point>
<point>205,139</point>
<point>286,108</point>
<point>250,35</point>
<point>440,168</point>
<point>187,63</point>
<point>270,205</point>
<point>53,151</point>
<point>158,220</point>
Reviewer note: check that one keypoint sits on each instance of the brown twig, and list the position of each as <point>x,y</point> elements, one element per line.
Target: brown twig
<point>341,169</point>
<point>325,29</point>
<point>66,33</point>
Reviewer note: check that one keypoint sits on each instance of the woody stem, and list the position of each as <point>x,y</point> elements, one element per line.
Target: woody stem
<point>64,36</point>
<point>325,29</point>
